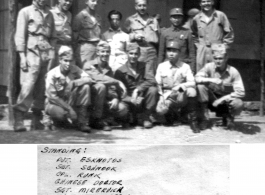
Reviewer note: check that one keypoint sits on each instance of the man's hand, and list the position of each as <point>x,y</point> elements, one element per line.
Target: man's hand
<point>122,86</point>
<point>179,88</point>
<point>114,104</point>
<point>134,96</point>
<point>23,62</point>
<point>72,114</point>
<point>216,81</point>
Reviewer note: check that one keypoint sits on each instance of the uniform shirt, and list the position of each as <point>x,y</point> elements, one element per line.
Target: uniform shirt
<point>117,40</point>
<point>184,38</point>
<point>217,30</point>
<point>87,29</point>
<point>102,75</point>
<point>169,76</point>
<point>140,80</point>
<point>31,22</point>
<point>135,24</point>
<point>63,29</point>
<point>230,77</point>
<point>56,83</point>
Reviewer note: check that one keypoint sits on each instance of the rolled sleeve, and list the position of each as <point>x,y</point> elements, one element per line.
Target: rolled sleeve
<point>238,86</point>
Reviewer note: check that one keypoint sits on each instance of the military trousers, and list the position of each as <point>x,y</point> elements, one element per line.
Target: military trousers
<point>85,51</point>
<point>79,97</point>
<point>232,106</point>
<point>149,56</point>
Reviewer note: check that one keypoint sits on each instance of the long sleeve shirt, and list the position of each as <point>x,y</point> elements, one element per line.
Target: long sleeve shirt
<point>217,30</point>
<point>57,84</point>
<point>32,22</point>
<point>184,38</point>
<point>230,77</point>
<point>62,21</point>
<point>87,28</point>
<point>149,29</point>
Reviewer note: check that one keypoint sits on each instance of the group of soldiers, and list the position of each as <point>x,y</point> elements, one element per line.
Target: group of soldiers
<point>74,74</point>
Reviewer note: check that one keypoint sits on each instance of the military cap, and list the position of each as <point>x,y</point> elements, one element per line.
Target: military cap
<point>103,45</point>
<point>176,11</point>
<point>173,44</point>
<point>65,51</point>
<point>132,46</point>
<point>193,12</point>
<point>218,49</point>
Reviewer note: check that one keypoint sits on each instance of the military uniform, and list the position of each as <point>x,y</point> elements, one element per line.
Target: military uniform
<point>182,36</point>
<point>146,88</point>
<point>66,92</point>
<point>104,90</point>
<point>150,30</point>
<point>217,30</point>
<point>63,30</point>
<point>88,35</point>
<point>34,30</point>
<point>117,40</point>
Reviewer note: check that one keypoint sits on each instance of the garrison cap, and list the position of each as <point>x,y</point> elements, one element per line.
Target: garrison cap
<point>65,51</point>
<point>103,45</point>
<point>193,12</point>
<point>176,11</point>
<point>218,49</point>
<point>173,44</point>
<point>132,46</point>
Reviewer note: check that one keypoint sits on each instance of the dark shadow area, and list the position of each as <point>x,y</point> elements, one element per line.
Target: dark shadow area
<point>246,127</point>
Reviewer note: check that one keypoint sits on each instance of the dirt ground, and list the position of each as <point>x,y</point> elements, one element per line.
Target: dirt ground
<point>249,129</point>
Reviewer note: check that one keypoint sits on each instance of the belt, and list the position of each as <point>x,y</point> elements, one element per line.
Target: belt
<point>60,42</point>
<point>209,43</point>
<point>91,42</point>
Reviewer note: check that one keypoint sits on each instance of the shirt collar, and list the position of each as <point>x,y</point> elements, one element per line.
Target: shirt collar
<point>111,30</point>
<point>201,14</point>
<point>36,7</point>
<point>176,28</point>
<point>177,65</point>
<point>227,70</point>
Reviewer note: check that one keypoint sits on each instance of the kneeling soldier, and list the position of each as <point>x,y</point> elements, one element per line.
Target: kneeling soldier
<point>176,86</point>
<point>105,92</point>
<point>68,91</point>
<point>220,88</point>
<point>141,86</point>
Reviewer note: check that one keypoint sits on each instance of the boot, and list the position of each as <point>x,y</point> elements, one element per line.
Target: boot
<point>19,121</point>
<point>146,120</point>
<point>192,115</point>
<point>204,123</point>
<point>230,123</point>
<point>36,120</point>
<point>82,119</point>
<point>48,123</point>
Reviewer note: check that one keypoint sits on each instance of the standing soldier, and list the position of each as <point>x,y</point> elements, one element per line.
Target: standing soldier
<point>35,25</point>
<point>220,88</point>
<point>181,35</point>
<point>117,40</point>
<point>68,92</point>
<point>86,33</point>
<point>210,26</point>
<point>63,30</point>
<point>177,87</point>
<point>144,30</point>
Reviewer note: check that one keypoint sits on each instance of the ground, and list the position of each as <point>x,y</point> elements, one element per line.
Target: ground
<point>249,129</point>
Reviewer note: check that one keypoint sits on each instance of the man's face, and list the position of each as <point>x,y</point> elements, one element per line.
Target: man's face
<point>207,5</point>
<point>115,21</point>
<point>66,62</point>
<point>92,4</point>
<point>141,7</point>
<point>220,61</point>
<point>176,20</point>
<point>65,4</point>
<point>172,54</point>
<point>41,3</point>
<point>133,56</point>
<point>104,54</point>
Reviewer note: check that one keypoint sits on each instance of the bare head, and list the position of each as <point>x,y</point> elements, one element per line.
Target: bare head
<point>141,6</point>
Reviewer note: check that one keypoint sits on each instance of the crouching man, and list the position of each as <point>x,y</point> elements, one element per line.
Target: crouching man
<point>176,85</point>
<point>140,85</point>
<point>68,92</point>
<point>106,95</point>
<point>220,88</point>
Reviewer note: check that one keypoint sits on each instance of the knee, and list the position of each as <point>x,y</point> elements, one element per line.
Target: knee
<point>191,92</point>
<point>100,87</point>
<point>85,89</point>
<point>122,109</point>
<point>201,88</point>
<point>56,113</point>
<point>152,91</point>
<point>237,104</point>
